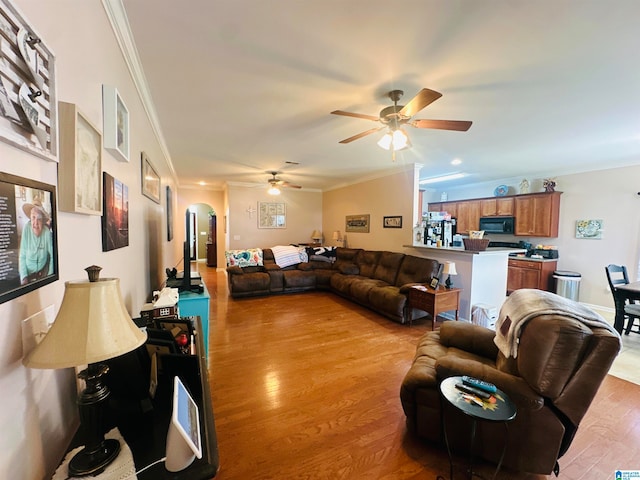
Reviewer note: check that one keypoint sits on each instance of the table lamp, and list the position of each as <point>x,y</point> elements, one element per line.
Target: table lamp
<point>316,236</point>
<point>449,269</point>
<point>92,325</point>
<point>337,236</point>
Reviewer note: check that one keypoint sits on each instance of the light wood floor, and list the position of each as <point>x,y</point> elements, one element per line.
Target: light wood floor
<point>306,386</point>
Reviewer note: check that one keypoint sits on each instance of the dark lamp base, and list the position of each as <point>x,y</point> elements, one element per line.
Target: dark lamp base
<point>93,463</point>
<point>448,283</point>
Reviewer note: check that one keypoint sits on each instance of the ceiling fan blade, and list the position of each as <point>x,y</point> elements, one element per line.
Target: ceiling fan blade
<point>289,185</point>
<point>356,115</point>
<point>459,125</point>
<point>421,100</point>
<point>360,135</point>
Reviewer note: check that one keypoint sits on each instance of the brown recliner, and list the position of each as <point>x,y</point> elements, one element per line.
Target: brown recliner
<point>559,367</point>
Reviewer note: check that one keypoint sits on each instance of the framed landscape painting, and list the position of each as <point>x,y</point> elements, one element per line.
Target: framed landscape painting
<point>115,220</point>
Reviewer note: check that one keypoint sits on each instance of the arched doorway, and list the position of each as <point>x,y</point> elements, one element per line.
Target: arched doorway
<point>203,241</point>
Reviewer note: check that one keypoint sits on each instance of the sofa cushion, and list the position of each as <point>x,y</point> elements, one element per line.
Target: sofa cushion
<point>299,279</point>
<point>388,266</point>
<point>367,261</point>
<point>416,270</point>
<point>389,301</point>
<point>361,288</point>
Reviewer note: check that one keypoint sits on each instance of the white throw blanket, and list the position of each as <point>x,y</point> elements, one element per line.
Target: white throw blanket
<point>525,304</point>
<point>286,255</point>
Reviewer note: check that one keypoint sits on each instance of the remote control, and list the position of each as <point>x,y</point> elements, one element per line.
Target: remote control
<point>477,383</point>
<point>473,391</point>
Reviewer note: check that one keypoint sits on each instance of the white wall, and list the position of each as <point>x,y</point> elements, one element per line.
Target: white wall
<point>610,195</point>
<point>39,413</point>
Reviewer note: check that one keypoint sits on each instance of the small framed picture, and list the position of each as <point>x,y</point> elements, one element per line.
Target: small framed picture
<point>150,180</point>
<point>115,123</point>
<point>434,283</point>
<point>392,222</point>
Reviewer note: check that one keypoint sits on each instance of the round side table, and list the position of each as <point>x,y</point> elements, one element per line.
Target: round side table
<point>499,408</point>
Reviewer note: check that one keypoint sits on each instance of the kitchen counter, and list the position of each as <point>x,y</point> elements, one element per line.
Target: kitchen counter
<point>530,259</point>
<point>482,276</point>
<point>461,250</point>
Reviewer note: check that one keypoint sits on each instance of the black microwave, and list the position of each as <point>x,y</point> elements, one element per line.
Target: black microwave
<point>497,224</point>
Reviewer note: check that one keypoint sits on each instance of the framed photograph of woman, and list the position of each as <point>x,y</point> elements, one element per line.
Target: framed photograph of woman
<point>28,240</point>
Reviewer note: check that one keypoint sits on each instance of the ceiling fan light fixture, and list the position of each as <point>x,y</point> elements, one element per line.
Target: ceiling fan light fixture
<point>273,190</point>
<point>396,140</point>
<point>385,141</point>
<point>400,140</point>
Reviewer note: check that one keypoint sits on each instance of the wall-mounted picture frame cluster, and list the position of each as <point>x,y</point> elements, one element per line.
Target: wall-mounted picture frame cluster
<point>79,174</point>
<point>115,121</point>
<point>28,105</point>
<point>357,223</point>
<point>28,239</point>
<point>150,179</point>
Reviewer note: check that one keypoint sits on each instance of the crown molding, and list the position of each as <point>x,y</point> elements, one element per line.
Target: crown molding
<point>120,26</point>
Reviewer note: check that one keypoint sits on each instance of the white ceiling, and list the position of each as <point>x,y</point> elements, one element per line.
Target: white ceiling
<point>244,86</point>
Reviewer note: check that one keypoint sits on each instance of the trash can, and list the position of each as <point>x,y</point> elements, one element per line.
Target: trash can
<point>567,284</point>
<point>484,315</point>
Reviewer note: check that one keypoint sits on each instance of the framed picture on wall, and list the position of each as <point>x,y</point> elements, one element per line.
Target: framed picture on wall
<point>28,104</point>
<point>392,222</point>
<point>272,215</point>
<point>28,246</point>
<point>357,223</point>
<point>115,123</point>
<point>79,173</point>
<point>150,179</point>
<point>169,214</point>
<point>115,220</point>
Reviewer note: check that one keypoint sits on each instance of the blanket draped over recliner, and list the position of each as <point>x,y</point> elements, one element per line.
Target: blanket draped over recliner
<point>525,304</point>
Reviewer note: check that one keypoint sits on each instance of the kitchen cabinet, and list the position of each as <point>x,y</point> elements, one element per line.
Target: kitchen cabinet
<point>525,273</point>
<point>468,216</point>
<point>496,207</point>
<point>537,214</point>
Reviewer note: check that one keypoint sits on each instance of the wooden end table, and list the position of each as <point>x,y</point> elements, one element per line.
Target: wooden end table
<point>432,301</point>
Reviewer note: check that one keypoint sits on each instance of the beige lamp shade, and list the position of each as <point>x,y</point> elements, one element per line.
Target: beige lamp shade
<point>92,325</point>
<point>316,235</point>
<point>337,235</point>
<point>449,268</point>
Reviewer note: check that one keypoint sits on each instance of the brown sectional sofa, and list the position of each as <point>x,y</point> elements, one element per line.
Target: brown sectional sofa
<point>378,280</point>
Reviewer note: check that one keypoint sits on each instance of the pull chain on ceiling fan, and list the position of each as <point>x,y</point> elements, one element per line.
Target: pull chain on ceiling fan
<point>396,116</point>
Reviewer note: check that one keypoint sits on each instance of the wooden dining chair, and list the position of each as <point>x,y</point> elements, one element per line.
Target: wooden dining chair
<point>617,275</point>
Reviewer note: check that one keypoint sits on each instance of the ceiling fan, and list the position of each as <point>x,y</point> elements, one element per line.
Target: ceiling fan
<point>275,183</point>
<point>396,116</point>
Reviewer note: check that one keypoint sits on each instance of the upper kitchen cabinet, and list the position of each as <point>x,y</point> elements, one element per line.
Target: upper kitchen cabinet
<point>496,207</point>
<point>537,214</point>
<point>468,216</point>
